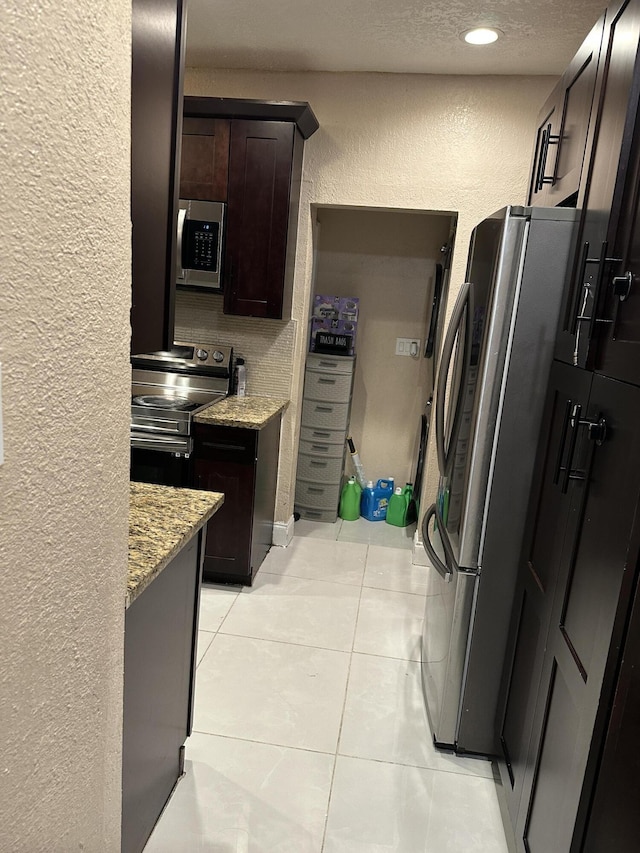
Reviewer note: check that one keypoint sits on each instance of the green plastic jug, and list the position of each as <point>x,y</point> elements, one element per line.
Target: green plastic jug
<point>349,509</point>
<point>397,509</point>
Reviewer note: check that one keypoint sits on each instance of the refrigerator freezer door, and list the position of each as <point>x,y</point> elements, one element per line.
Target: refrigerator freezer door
<point>448,610</point>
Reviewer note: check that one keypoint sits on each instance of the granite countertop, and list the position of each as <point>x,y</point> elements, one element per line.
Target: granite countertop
<point>247,412</point>
<point>162,519</point>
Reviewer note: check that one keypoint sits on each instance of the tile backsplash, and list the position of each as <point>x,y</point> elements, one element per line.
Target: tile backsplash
<point>266,345</point>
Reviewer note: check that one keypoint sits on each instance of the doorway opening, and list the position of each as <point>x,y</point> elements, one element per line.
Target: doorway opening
<point>393,262</point>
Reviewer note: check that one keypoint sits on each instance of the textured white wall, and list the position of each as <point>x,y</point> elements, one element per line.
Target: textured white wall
<point>394,141</point>
<point>64,339</point>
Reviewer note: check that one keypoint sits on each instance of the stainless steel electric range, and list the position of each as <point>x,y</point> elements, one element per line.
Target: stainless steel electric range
<point>168,388</point>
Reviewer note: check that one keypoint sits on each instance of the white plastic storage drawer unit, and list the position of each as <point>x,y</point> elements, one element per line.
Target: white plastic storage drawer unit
<point>326,405</point>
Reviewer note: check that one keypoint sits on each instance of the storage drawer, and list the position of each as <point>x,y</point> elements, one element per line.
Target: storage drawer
<point>312,514</point>
<point>324,449</point>
<point>323,436</point>
<point>330,363</point>
<point>317,495</point>
<point>225,444</point>
<point>335,387</point>
<point>330,415</point>
<point>318,469</point>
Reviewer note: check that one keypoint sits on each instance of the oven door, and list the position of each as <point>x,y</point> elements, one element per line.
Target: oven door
<point>162,460</point>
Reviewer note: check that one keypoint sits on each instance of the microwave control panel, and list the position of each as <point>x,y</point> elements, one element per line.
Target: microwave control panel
<point>200,250</point>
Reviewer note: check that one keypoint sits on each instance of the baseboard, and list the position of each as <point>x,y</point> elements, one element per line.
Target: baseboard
<point>282,533</point>
<point>418,554</point>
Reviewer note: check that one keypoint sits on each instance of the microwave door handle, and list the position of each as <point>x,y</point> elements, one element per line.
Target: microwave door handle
<point>443,371</point>
<point>182,215</point>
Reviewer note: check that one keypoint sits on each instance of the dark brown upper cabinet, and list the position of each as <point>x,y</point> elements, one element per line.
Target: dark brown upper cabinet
<point>158,28</point>
<point>592,311</point>
<point>249,154</point>
<point>204,166</point>
<point>265,172</point>
<point>563,125</point>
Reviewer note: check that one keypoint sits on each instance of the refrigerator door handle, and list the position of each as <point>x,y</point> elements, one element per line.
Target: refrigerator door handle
<point>443,372</point>
<point>443,570</point>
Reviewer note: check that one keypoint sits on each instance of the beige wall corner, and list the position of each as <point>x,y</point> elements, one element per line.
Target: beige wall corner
<point>64,347</point>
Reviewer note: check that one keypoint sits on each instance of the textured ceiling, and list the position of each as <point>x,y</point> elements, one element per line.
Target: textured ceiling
<point>402,36</point>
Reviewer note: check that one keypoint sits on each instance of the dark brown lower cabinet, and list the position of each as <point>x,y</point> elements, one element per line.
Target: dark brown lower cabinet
<point>571,606</point>
<point>161,629</point>
<point>614,816</point>
<point>243,464</point>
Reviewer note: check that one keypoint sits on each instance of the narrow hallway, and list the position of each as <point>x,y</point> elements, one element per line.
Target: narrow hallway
<point>310,733</point>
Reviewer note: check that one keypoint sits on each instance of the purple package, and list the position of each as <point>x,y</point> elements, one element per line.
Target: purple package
<point>337,337</point>
<point>335,307</point>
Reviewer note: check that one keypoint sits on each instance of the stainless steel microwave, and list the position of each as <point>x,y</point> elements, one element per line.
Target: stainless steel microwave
<point>199,246</point>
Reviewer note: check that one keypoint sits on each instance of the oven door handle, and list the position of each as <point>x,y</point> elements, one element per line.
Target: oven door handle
<point>162,443</point>
<point>158,425</point>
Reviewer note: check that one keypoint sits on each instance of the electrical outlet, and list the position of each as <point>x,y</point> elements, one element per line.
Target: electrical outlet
<point>408,346</point>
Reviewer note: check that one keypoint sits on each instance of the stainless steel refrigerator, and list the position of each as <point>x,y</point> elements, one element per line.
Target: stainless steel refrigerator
<point>490,391</point>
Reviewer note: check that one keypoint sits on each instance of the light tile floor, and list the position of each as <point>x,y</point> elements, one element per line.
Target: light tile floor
<point>310,729</point>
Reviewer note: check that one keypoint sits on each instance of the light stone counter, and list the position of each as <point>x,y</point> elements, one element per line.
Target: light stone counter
<point>162,519</point>
<point>243,412</point>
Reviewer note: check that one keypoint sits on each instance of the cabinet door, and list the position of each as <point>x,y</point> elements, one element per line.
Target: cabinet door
<point>614,820</point>
<point>604,182</point>
<point>618,321</point>
<point>562,129</point>
<point>157,60</point>
<point>556,497</point>
<point>261,161</point>
<point>225,462</point>
<point>204,165</point>
<point>582,621</point>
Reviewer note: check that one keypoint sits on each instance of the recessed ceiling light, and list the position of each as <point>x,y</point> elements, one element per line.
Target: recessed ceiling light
<point>481,35</point>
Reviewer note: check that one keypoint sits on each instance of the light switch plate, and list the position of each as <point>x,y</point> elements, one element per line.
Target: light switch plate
<point>1,433</point>
<point>408,346</point>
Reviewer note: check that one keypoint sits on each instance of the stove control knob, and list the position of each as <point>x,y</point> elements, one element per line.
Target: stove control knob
<point>201,354</point>
<point>218,356</point>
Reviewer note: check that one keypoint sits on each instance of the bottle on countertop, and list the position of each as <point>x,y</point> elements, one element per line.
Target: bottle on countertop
<point>241,377</point>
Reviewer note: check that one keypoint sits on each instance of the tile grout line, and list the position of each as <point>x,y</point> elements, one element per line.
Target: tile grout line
<point>344,705</point>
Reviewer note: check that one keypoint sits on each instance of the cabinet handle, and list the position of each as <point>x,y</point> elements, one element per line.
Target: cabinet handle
<point>579,310</point>
<point>548,139</point>
<point>563,439</point>
<point>313,490</point>
<point>575,420</point>
<point>538,184</point>
<point>320,433</point>
<point>323,448</point>
<point>317,463</point>
<point>324,408</point>
<point>215,445</point>
<point>322,381</point>
<point>573,312</point>
<point>603,261</point>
